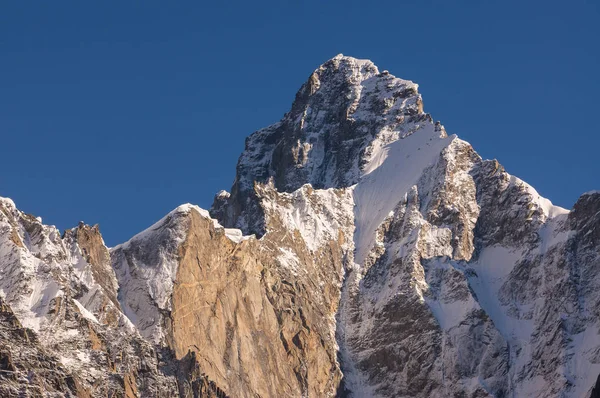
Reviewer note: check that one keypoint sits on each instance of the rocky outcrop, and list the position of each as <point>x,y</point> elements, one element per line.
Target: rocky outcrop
<point>62,331</point>
<point>247,308</point>
<point>26,368</point>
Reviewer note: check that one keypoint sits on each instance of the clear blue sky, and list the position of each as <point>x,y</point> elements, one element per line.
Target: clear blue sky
<point>115,112</point>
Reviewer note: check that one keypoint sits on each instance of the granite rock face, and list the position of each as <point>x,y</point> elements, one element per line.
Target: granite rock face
<point>258,315</point>
<point>362,252</point>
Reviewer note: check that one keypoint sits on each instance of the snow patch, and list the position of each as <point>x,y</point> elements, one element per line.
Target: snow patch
<point>318,215</point>
<point>448,312</point>
<point>546,205</point>
<point>289,259</point>
<point>7,202</point>
<point>87,314</point>
<point>491,270</point>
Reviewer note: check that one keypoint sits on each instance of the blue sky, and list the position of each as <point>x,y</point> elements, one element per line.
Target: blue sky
<point>115,112</point>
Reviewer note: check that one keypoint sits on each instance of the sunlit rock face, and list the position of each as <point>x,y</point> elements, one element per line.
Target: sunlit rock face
<point>361,252</point>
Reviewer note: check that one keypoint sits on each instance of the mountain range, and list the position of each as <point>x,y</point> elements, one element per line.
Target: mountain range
<point>361,251</point>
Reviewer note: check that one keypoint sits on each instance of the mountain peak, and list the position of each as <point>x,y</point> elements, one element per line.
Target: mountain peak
<point>346,61</point>
<point>343,70</point>
<point>340,119</point>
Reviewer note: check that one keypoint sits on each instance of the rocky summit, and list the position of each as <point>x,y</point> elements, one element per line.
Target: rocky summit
<point>361,252</point>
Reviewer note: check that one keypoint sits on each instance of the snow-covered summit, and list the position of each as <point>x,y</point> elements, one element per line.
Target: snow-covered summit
<point>360,62</point>
<point>339,124</point>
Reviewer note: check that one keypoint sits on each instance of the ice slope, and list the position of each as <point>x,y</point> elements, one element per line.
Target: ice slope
<point>394,169</point>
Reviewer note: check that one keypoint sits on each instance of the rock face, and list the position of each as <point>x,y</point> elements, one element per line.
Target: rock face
<point>362,252</point>
<point>257,315</point>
